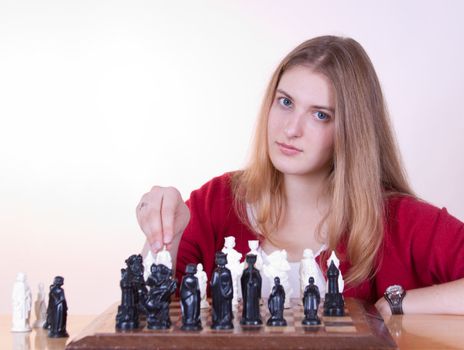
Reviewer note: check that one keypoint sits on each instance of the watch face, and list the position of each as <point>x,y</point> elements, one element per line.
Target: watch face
<point>395,290</point>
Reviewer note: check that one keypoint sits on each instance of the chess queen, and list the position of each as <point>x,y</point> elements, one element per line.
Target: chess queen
<point>324,174</point>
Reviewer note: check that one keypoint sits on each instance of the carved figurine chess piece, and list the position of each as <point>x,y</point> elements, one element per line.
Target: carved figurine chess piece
<point>276,304</point>
<point>202,281</point>
<point>190,298</point>
<point>222,294</point>
<point>40,307</point>
<point>22,303</point>
<point>251,293</point>
<point>311,300</point>
<point>57,310</point>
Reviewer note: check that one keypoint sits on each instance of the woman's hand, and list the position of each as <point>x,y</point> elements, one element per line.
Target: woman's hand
<point>162,216</point>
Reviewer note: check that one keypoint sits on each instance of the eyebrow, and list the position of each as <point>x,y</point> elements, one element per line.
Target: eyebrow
<point>332,110</point>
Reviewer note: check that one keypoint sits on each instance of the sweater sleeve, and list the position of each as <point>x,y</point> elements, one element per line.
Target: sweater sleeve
<point>424,245</point>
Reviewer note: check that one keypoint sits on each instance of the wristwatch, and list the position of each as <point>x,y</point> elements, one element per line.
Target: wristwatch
<point>394,295</point>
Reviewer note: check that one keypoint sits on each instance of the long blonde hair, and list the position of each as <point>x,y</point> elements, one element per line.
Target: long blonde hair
<point>366,162</point>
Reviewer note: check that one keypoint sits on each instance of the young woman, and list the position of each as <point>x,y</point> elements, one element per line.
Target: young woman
<point>325,174</point>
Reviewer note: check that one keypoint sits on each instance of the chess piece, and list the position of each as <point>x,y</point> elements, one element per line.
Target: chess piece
<point>277,266</point>
<point>22,303</point>
<point>127,316</point>
<point>276,303</point>
<point>310,268</point>
<point>159,297</point>
<point>164,257</point>
<point>147,262</point>
<point>202,281</point>
<point>40,307</point>
<point>251,293</point>
<point>135,271</point>
<point>190,298</point>
<point>334,305</point>
<point>233,264</point>
<point>311,300</point>
<point>341,282</point>
<point>58,309</point>
<point>254,245</point>
<point>222,294</point>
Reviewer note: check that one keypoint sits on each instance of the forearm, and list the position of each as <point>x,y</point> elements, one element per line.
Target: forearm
<point>446,298</point>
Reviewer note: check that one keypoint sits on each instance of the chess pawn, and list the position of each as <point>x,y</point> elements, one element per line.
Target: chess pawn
<point>310,268</point>
<point>311,300</point>
<point>58,309</point>
<point>233,264</point>
<point>341,282</point>
<point>275,304</point>
<point>190,300</point>
<point>22,303</point>
<point>202,281</point>
<point>40,307</point>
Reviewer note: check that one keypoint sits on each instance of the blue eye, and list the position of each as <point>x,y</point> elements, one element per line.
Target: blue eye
<point>284,101</point>
<point>321,115</point>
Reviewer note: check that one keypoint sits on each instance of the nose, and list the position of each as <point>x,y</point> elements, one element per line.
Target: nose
<point>294,126</point>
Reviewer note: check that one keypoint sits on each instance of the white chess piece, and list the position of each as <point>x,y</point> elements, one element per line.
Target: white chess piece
<point>164,257</point>
<point>147,262</point>
<point>278,265</point>
<point>233,264</point>
<point>341,281</point>
<point>22,303</point>
<point>40,307</point>
<point>310,268</point>
<point>254,245</point>
<point>202,281</point>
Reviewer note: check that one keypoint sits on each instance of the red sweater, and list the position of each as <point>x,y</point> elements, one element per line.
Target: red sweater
<point>423,245</point>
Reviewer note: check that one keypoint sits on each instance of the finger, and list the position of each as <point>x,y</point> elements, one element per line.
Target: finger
<point>168,210</point>
<point>150,219</point>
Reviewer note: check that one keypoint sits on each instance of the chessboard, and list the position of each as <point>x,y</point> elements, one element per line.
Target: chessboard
<point>361,328</point>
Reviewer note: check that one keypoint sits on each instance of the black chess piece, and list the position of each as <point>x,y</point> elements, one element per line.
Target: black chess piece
<point>334,305</point>
<point>190,300</point>
<point>46,325</point>
<point>136,269</point>
<point>222,293</point>
<point>311,300</point>
<point>127,316</point>
<point>58,311</point>
<point>276,304</point>
<point>159,297</point>
<point>251,293</point>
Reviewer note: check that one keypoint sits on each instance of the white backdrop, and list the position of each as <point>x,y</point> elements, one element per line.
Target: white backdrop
<point>100,100</point>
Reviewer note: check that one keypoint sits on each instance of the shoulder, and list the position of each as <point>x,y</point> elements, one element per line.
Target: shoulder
<point>221,184</point>
<point>412,217</point>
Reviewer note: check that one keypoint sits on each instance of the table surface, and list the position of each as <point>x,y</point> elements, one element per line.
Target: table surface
<point>408,331</point>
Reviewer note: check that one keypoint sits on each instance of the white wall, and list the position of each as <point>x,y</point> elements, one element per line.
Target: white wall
<point>99,100</point>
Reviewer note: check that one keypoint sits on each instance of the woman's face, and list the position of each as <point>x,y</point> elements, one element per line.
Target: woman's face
<point>301,123</point>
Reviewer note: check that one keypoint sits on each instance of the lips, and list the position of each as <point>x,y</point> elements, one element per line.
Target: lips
<point>284,146</point>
